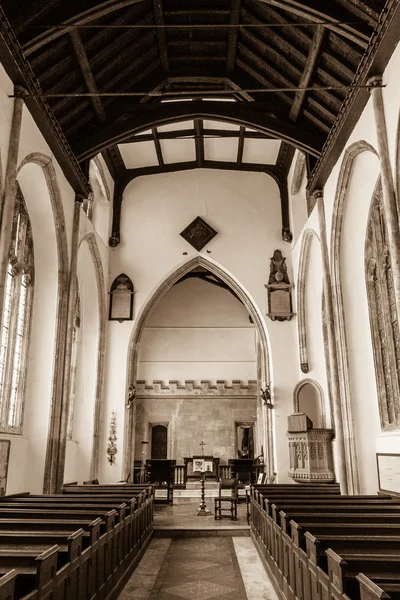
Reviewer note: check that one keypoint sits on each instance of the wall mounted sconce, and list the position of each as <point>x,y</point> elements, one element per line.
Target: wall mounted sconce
<point>267,396</point>
<point>112,438</point>
<point>131,396</point>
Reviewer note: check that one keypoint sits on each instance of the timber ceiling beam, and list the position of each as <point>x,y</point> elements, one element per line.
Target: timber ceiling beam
<point>161,37</point>
<point>328,12</point>
<point>233,36</point>
<point>112,156</point>
<point>199,142</point>
<point>157,145</point>
<point>373,62</point>
<point>190,133</point>
<point>251,115</point>
<point>313,55</point>
<point>20,72</point>
<point>239,158</point>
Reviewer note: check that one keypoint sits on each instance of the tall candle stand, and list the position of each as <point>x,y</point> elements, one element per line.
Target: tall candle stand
<point>203,511</point>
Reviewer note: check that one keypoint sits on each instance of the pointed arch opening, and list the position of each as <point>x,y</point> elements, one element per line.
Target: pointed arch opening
<point>263,367</point>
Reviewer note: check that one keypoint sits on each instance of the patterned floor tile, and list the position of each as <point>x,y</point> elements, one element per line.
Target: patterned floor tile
<point>200,590</point>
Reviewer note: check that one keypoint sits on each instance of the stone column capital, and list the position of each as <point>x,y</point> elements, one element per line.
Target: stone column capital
<point>319,193</point>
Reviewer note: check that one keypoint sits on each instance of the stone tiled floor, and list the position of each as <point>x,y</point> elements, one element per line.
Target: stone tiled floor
<point>199,568</point>
<point>183,515</point>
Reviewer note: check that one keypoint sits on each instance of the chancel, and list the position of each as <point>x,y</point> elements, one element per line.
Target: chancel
<point>199,299</point>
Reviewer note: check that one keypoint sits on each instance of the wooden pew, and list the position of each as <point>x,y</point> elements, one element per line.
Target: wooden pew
<point>105,559</point>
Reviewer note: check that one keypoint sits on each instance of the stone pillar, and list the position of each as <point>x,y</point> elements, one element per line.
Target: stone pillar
<point>388,192</point>
<point>62,442</point>
<point>10,189</point>
<point>332,347</point>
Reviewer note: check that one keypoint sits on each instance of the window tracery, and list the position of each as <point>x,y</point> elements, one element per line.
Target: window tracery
<point>16,320</point>
<point>383,315</point>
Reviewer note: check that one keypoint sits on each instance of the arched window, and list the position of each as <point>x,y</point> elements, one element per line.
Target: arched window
<point>15,326</point>
<point>74,363</point>
<point>382,314</point>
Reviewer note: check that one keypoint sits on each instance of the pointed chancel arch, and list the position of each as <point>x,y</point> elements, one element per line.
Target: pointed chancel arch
<point>134,345</point>
<point>345,174</point>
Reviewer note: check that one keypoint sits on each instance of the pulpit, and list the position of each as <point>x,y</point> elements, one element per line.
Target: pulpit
<point>310,451</point>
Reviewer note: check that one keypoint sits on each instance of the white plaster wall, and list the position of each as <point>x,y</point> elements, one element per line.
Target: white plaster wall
<point>245,210</point>
<point>198,331</point>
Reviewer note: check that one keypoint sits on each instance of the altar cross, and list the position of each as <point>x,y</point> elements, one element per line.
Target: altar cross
<point>202,444</point>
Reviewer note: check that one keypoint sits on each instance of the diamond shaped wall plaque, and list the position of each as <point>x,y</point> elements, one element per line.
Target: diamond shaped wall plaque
<point>198,233</point>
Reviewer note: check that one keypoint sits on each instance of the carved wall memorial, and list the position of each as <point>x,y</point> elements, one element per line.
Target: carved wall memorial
<point>121,299</point>
<point>279,290</point>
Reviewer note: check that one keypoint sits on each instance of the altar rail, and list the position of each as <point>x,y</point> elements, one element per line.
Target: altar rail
<point>97,571</point>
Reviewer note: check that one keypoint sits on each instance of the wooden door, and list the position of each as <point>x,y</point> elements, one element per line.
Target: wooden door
<point>159,441</point>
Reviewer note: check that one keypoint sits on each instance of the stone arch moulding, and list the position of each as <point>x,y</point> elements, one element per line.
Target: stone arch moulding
<point>137,331</point>
<point>345,173</point>
<point>90,239</point>
<point>54,453</point>
<point>301,298</point>
<point>320,391</point>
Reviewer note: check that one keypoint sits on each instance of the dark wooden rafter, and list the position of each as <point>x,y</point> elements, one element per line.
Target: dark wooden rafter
<point>199,142</point>
<point>147,115</point>
<point>329,13</point>
<point>112,156</point>
<point>362,10</point>
<point>233,36</point>
<point>161,37</point>
<point>313,54</point>
<point>207,132</point>
<point>157,145</point>
<point>242,133</point>
<point>381,47</point>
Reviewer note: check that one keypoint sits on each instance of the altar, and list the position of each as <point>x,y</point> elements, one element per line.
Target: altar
<point>196,465</point>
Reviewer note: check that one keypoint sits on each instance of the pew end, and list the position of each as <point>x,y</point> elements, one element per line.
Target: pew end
<point>369,590</point>
<point>7,585</point>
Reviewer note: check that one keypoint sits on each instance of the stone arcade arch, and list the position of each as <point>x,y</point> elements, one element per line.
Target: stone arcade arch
<point>91,242</point>
<point>263,352</point>
<point>345,174</point>
<point>54,449</point>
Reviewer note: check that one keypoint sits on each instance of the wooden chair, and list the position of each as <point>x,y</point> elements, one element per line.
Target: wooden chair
<point>225,504</point>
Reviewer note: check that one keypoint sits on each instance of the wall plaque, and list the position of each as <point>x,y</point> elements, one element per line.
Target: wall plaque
<point>121,299</point>
<point>279,290</point>
<point>388,472</point>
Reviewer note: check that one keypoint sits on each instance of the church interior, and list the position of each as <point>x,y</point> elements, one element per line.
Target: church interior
<point>199,299</point>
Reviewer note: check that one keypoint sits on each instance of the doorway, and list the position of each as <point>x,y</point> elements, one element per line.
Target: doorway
<point>159,442</point>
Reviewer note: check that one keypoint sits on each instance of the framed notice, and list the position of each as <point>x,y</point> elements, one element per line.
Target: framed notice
<point>4,458</point>
<point>121,299</point>
<point>388,472</point>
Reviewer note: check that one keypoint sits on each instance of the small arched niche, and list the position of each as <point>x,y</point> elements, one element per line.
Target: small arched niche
<point>308,399</point>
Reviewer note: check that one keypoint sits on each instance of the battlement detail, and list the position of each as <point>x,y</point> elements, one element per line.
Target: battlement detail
<point>196,388</point>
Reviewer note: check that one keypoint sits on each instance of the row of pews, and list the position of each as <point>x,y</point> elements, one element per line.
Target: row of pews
<point>320,545</point>
<point>79,545</point>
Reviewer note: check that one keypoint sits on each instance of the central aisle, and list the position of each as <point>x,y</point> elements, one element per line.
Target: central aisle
<point>203,568</point>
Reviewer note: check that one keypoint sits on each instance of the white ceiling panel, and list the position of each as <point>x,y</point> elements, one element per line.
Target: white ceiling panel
<point>220,125</point>
<point>176,126</point>
<point>261,151</point>
<point>223,149</point>
<point>139,154</point>
<point>181,150</point>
